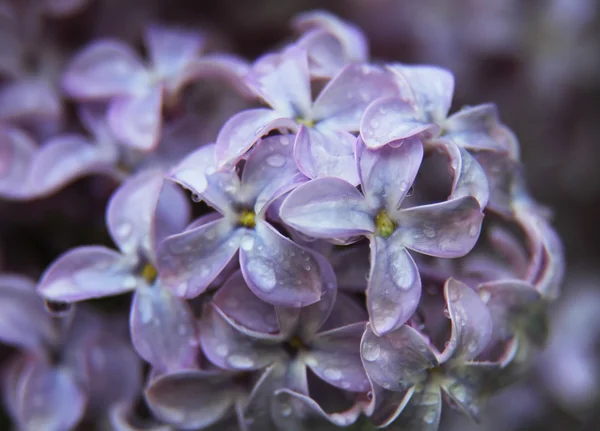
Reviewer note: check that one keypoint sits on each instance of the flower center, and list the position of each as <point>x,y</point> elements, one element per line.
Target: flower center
<point>384,224</point>
<point>149,273</point>
<point>248,219</point>
<point>305,122</point>
<point>293,346</point>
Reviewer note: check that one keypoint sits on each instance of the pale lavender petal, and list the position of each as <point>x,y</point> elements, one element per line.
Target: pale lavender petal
<point>433,88</point>
<point>326,56</point>
<point>17,150</point>
<point>105,69</point>
<point>50,399</point>
<point>137,119</point>
<point>328,208</point>
<point>281,272</point>
<point>163,328</point>
<point>390,119</point>
<point>394,286</point>
<point>397,360</point>
<point>242,131</point>
<point>243,309</point>
<point>422,412</point>
<point>343,101</point>
<point>30,100</point>
<point>387,174</point>
<point>447,229</point>
<point>230,349</point>
<point>471,322</point>
<point>340,419</point>
<point>473,127</point>
<point>188,262</point>
<point>190,399</point>
<point>282,80</point>
<point>500,171</point>
<point>122,419</point>
<point>171,215</point>
<point>325,153</point>
<point>66,158</point>
<point>193,170</point>
<point>87,272</point>
<point>23,321</point>
<point>129,214</point>
<point>335,357</point>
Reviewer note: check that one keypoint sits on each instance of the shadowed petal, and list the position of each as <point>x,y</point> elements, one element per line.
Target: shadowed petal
<point>163,328</point>
<point>17,150</point>
<point>136,120</point>
<point>387,174</point>
<point>188,262</point>
<point>104,69</point>
<point>471,322</point>
<point>341,419</point>
<point>390,119</point>
<point>242,131</point>
<point>87,272</point>
<point>335,357</point>
<point>422,413</point>
<point>501,172</point>
<point>353,277</point>
<point>346,311</point>
<point>344,99</point>
<point>394,286</point>
<point>473,127</point>
<point>328,208</point>
<point>447,229</point>
<point>190,399</point>
<point>30,100</point>
<point>171,215</point>
<point>325,153</point>
<point>281,272</point>
<point>227,67</point>
<point>397,360</point>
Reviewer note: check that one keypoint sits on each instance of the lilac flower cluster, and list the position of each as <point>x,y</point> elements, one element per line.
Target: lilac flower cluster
<point>364,257</point>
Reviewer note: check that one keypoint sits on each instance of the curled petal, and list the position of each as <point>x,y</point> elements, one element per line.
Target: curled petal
<point>230,349</point>
<point>193,170</point>
<point>471,322</point>
<point>394,286</point>
<point>163,328</point>
<point>30,100</point>
<point>85,273</point>
<point>281,272</point>
<point>473,127</point>
<point>385,406</point>
<point>342,102</point>
<point>423,411</point>
<point>397,360</point>
<point>501,172</point>
<point>447,229</point>
<point>136,120</point>
<point>104,69</point>
<point>387,174</point>
<point>390,119</point>
<point>188,262</point>
<point>335,358</point>
<point>190,399</point>
<point>242,131</point>
<point>326,154</point>
<point>16,153</point>
<point>171,215</point>
<point>328,208</point>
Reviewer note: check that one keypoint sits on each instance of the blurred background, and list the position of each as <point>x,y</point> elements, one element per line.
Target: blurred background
<point>538,60</point>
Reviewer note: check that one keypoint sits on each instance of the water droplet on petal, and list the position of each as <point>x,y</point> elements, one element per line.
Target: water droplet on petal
<point>276,161</point>
<point>333,374</point>
<point>240,362</point>
<point>371,351</point>
<point>124,229</point>
<point>262,274</point>
<point>430,416</point>
<point>247,242</point>
<point>130,282</point>
<point>474,230</point>
<point>374,124</point>
<point>222,350</point>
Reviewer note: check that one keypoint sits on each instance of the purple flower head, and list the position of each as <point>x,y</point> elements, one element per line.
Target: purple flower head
<point>332,208</point>
<point>141,212</point>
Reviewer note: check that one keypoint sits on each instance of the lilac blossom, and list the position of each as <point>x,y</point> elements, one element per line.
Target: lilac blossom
<point>333,208</point>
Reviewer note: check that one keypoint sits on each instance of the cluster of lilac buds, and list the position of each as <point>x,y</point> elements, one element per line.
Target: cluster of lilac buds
<point>349,253</point>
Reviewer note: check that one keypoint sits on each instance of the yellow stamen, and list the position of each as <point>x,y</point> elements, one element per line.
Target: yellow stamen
<point>385,225</point>
<point>248,219</point>
<point>296,343</point>
<point>305,122</point>
<point>149,273</point>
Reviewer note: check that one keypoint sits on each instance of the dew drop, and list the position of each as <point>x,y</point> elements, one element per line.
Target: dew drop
<point>429,232</point>
<point>276,161</point>
<point>222,350</point>
<point>262,274</point>
<point>286,410</point>
<point>129,282</point>
<point>371,352</point>
<point>240,362</point>
<point>58,308</point>
<point>124,229</point>
<point>196,197</point>
<point>430,416</point>
<point>247,242</point>
<point>181,329</point>
<point>374,124</point>
<point>333,374</point>
<point>473,230</point>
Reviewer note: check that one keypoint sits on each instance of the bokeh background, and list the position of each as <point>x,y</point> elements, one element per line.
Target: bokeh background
<point>538,60</point>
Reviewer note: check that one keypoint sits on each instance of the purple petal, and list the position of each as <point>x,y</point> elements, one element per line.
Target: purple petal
<point>243,309</point>
<point>33,100</point>
<point>473,128</point>
<point>394,286</point>
<point>50,398</point>
<point>193,170</point>
<point>345,311</point>
<point>242,131</point>
<point>471,322</point>
<point>23,322</point>
<point>342,102</point>
<point>335,358</point>
<point>397,360</point>
<point>230,349</point>
<point>385,406</point>
<point>226,67</point>
<point>390,119</point>
<point>340,419</point>
<point>282,80</point>
<point>136,120</point>
<point>188,262</point>
<point>163,328</point>
<point>105,69</point>
<point>447,229</point>
<point>328,208</point>
<point>326,154</point>
<point>190,399</point>
<point>85,273</point>
<point>351,265</point>
<point>171,215</point>
<point>433,88</point>
<point>63,8</point>
<point>281,272</point>
<point>129,214</point>
<point>387,174</point>
<point>422,412</point>
<point>16,153</point>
